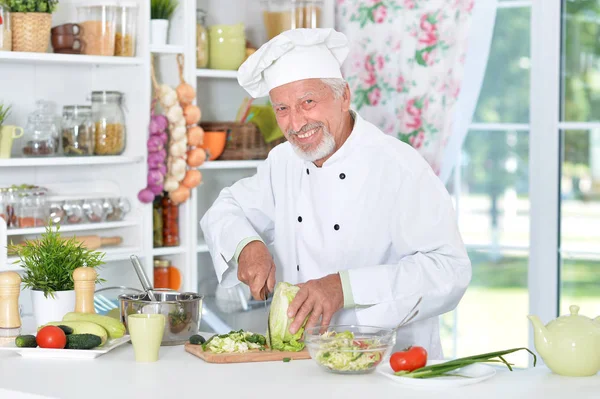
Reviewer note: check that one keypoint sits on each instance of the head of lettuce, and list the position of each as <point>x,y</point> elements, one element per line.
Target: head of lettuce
<point>279,322</point>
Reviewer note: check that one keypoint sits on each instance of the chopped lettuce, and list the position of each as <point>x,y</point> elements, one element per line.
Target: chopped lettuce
<point>343,352</point>
<point>235,341</point>
<point>279,322</point>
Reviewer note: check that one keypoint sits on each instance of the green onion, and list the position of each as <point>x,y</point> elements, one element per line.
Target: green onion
<point>441,369</point>
<point>286,359</point>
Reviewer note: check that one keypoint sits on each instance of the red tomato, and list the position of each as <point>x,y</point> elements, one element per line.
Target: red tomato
<point>409,359</point>
<point>51,337</point>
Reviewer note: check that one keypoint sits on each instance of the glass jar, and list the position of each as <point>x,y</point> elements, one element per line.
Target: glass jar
<point>109,119</point>
<point>119,207</point>
<point>31,210</point>
<point>201,39</point>
<point>98,27</point>
<point>95,210</point>
<point>56,212</point>
<point>77,130</point>
<point>5,31</point>
<point>73,211</point>
<point>11,199</point>
<point>282,15</point>
<point>227,46</point>
<point>41,133</point>
<point>170,213</point>
<point>161,273</point>
<point>125,38</point>
<point>157,223</point>
<point>3,203</point>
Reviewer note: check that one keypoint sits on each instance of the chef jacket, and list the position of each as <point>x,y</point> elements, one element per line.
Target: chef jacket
<point>375,213</point>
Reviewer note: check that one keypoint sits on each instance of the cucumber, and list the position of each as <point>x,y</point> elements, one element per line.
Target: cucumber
<point>83,341</point>
<point>26,341</point>
<point>197,339</point>
<point>67,330</point>
<point>114,327</point>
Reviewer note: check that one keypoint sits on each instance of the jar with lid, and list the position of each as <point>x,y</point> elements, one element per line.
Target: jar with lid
<point>201,39</point>
<point>98,26</point>
<point>157,223</point>
<point>227,46</point>
<point>125,38</point>
<point>31,210</point>
<point>5,31</point>
<point>109,120</point>
<point>161,273</point>
<point>3,204</point>
<point>170,213</point>
<point>73,211</point>
<point>282,15</point>
<point>77,130</point>
<point>41,132</point>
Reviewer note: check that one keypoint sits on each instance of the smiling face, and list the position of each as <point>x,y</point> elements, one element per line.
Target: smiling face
<point>314,121</point>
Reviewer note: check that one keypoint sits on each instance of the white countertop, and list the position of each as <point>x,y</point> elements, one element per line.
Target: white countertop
<point>180,374</point>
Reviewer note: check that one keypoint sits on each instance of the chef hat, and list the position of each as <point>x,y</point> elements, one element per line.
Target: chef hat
<point>294,55</point>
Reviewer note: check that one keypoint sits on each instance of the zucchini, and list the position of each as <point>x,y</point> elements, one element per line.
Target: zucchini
<point>83,341</point>
<point>82,327</point>
<point>26,341</point>
<point>113,327</point>
<point>197,339</point>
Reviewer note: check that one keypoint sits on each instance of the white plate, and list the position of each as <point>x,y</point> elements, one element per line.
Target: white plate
<point>67,353</point>
<point>472,374</point>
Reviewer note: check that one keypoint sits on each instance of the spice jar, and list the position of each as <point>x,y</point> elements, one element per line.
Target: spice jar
<point>227,46</point>
<point>3,203</point>
<point>126,29</point>
<point>31,210</point>
<point>41,132</point>
<point>77,130</point>
<point>201,39</point>
<point>5,32</point>
<point>170,213</point>
<point>161,273</point>
<point>73,211</point>
<point>282,15</point>
<point>109,119</point>
<point>157,223</point>
<point>94,210</point>
<point>119,207</point>
<point>98,27</point>
<point>10,203</point>
<point>56,212</point>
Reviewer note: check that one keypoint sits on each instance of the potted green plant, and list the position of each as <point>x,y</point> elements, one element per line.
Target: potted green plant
<point>161,12</point>
<point>31,21</point>
<point>48,264</point>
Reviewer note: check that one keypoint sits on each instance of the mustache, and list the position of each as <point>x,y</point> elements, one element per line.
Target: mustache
<point>305,128</point>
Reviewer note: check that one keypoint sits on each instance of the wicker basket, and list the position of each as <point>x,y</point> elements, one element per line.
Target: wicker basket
<point>30,31</point>
<point>244,141</point>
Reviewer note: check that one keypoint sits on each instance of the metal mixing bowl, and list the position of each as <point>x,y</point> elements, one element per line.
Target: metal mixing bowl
<point>183,312</point>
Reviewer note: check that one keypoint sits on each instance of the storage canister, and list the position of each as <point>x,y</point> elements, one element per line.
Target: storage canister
<point>77,130</point>
<point>125,38</point>
<point>109,119</point>
<point>227,46</point>
<point>98,26</point>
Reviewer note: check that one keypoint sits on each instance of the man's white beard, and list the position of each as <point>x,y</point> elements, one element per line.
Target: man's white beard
<point>326,147</point>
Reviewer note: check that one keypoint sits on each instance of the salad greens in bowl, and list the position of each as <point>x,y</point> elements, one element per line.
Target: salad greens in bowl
<point>349,349</point>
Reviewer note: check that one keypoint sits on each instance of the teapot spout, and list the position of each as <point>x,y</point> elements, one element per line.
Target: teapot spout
<point>541,334</point>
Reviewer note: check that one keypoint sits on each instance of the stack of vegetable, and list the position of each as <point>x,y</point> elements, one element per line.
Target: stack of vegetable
<point>235,341</point>
<point>157,155</point>
<point>75,331</point>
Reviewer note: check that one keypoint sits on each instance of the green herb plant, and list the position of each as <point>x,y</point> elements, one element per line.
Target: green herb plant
<point>162,9</point>
<point>4,112</point>
<point>49,262</point>
<point>47,6</point>
<point>444,369</point>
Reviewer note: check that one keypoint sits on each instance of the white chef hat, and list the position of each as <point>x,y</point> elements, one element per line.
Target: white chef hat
<point>293,55</point>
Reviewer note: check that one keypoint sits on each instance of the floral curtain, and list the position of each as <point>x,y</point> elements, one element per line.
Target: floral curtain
<point>406,67</point>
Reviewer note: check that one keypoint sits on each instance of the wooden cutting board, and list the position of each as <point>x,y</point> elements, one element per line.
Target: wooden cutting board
<point>247,357</point>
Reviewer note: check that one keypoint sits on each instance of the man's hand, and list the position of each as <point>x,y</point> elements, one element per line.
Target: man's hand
<point>322,297</point>
<point>257,269</point>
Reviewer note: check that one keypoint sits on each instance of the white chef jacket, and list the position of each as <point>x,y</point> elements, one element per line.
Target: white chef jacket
<point>375,210</point>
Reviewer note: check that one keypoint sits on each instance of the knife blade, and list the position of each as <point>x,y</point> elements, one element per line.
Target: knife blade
<point>268,320</point>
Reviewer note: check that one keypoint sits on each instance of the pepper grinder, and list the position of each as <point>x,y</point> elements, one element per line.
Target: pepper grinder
<point>85,286</point>
<point>10,319</point>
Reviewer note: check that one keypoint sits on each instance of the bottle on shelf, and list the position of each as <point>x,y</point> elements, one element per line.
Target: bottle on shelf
<point>170,213</point>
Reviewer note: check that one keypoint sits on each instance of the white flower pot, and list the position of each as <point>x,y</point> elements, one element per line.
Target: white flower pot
<point>159,29</point>
<point>50,309</point>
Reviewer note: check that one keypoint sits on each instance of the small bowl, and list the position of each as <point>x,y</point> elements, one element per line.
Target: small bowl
<point>359,353</point>
<point>214,143</point>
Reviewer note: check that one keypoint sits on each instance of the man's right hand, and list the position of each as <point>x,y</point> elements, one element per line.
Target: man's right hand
<point>257,269</point>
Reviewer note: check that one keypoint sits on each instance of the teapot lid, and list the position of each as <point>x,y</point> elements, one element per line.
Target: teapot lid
<point>574,323</point>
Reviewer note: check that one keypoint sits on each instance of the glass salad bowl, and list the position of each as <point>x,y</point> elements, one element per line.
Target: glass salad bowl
<point>349,349</point>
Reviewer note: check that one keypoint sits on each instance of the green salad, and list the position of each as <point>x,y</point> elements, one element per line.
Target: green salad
<point>235,341</point>
<point>343,352</point>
